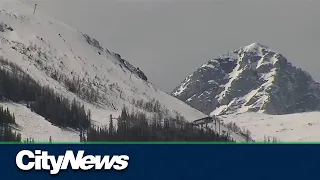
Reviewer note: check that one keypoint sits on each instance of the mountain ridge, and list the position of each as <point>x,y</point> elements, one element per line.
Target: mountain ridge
<point>77,67</point>
<point>251,78</point>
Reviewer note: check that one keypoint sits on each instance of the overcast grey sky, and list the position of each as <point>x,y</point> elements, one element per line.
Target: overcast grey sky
<point>168,40</point>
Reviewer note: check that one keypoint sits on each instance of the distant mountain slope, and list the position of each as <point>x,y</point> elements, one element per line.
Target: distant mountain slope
<point>75,66</point>
<point>253,78</point>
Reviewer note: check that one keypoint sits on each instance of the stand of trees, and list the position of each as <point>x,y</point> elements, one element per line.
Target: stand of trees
<point>80,87</point>
<point>6,134</point>
<point>17,86</point>
<point>7,119</point>
<point>135,126</point>
<point>150,106</point>
<point>244,132</point>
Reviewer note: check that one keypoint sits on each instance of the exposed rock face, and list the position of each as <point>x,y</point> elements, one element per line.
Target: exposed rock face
<point>252,78</point>
<point>4,27</point>
<point>122,61</point>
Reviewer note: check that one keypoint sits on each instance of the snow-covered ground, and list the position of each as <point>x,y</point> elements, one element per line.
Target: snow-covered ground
<point>31,125</point>
<point>41,46</point>
<point>286,128</point>
<point>66,50</point>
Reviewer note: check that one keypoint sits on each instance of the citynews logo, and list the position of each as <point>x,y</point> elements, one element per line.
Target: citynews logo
<point>40,160</point>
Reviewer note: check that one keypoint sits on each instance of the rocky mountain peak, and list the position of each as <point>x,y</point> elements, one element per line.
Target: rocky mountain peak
<point>251,78</point>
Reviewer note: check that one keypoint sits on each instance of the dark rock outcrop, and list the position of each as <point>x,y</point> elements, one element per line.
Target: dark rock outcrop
<point>252,78</point>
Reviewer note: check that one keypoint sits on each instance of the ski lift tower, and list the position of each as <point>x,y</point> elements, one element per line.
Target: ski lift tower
<point>112,118</point>
<point>217,121</point>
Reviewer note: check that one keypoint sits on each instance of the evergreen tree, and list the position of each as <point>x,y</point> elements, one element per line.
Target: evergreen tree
<point>111,128</point>
<point>7,119</point>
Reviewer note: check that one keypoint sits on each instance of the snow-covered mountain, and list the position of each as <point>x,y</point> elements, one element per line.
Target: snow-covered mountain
<point>256,89</point>
<point>54,54</point>
<point>253,78</point>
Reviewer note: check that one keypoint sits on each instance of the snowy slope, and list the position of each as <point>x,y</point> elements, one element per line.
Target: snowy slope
<point>31,125</point>
<point>296,127</point>
<point>44,47</point>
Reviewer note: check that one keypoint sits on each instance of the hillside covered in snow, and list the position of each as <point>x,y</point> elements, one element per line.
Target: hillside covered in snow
<point>296,127</point>
<point>44,61</point>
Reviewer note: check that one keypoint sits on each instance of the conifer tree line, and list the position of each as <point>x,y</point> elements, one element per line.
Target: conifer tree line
<point>17,86</point>
<point>6,134</point>
<point>136,126</point>
<point>6,120</point>
<point>244,132</point>
<point>6,116</point>
<point>150,106</point>
<point>28,141</point>
<point>81,87</point>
